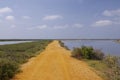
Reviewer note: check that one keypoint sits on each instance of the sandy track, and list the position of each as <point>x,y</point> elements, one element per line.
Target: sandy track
<point>55,63</point>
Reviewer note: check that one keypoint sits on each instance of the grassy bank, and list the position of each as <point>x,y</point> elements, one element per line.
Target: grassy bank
<point>107,67</point>
<point>12,56</point>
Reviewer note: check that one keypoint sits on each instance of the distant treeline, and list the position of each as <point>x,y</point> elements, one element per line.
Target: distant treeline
<point>12,56</point>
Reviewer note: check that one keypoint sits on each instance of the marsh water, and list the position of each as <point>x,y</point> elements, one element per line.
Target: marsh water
<point>107,46</point>
<point>12,42</point>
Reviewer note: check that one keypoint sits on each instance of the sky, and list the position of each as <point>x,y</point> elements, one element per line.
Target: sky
<point>59,19</point>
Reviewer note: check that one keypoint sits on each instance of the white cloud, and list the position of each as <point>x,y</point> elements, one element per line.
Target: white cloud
<point>10,18</point>
<point>78,25</point>
<point>5,10</point>
<point>101,23</point>
<point>26,17</point>
<point>112,12</point>
<point>52,17</point>
<point>38,27</point>
<point>65,26</point>
<point>41,27</point>
<point>61,27</point>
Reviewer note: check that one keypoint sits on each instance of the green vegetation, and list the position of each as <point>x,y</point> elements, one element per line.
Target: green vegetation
<point>87,53</point>
<point>63,45</point>
<point>8,69</point>
<point>113,63</point>
<point>100,67</point>
<point>12,56</point>
<point>107,67</point>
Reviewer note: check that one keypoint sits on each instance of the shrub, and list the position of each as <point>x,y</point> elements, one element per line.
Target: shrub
<point>114,65</point>
<point>98,55</point>
<point>77,53</point>
<point>11,56</point>
<point>112,61</point>
<point>8,69</point>
<point>108,65</point>
<point>87,53</point>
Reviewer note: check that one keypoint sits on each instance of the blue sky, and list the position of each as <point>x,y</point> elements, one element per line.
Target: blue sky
<point>38,19</point>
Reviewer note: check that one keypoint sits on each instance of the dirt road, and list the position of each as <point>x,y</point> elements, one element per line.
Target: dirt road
<point>55,63</point>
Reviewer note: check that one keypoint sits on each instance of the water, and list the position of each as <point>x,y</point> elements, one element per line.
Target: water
<point>12,42</point>
<point>108,47</point>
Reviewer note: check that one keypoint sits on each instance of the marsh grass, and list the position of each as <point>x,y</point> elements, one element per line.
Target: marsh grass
<point>13,55</point>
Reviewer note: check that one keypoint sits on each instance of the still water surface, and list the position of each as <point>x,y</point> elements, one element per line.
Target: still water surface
<point>107,46</point>
<point>12,42</point>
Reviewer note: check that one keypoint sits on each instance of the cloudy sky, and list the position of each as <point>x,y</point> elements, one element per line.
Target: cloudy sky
<point>38,19</point>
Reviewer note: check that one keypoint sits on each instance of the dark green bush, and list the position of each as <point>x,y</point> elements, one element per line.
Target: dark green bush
<point>87,53</point>
<point>8,69</point>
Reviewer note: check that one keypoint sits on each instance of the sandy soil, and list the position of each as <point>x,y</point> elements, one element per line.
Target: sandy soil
<point>55,63</point>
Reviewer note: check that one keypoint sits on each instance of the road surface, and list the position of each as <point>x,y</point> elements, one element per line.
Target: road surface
<point>55,63</point>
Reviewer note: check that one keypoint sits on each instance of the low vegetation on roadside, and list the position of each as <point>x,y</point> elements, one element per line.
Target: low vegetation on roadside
<point>12,56</point>
<point>87,53</point>
<point>63,45</point>
<point>107,67</point>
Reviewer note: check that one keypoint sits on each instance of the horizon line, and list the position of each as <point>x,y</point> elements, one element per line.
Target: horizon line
<point>56,39</point>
